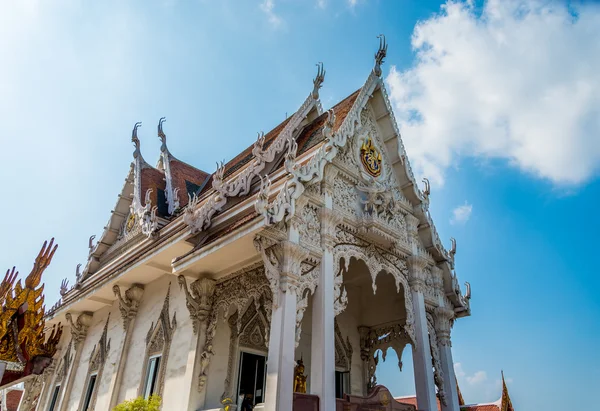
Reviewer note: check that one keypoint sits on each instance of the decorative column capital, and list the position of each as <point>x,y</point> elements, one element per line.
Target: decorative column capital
<point>292,256</point>
<point>416,269</point>
<point>80,327</point>
<point>329,222</point>
<point>199,299</point>
<point>129,304</point>
<point>328,180</point>
<point>444,318</point>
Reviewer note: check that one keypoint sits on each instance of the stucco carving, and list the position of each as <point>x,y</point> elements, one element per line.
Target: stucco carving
<point>238,291</point>
<point>129,304</point>
<point>310,229</point>
<point>438,374</point>
<point>158,341</point>
<point>377,260</point>
<point>199,299</point>
<point>393,335</point>
<point>80,327</point>
<point>343,349</point>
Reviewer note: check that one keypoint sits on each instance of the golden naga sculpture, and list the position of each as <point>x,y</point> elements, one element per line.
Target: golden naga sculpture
<point>299,378</point>
<point>22,336</point>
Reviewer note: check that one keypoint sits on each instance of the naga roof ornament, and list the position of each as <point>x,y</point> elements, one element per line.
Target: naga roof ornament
<point>318,80</point>
<point>135,140</point>
<point>380,55</point>
<point>22,337</point>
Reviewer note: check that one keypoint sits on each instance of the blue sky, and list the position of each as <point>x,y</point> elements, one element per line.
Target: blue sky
<point>498,104</point>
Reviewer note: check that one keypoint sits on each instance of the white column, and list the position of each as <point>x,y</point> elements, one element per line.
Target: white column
<point>280,364</point>
<point>322,368</point>
<point>78,333</point>
<point>443,319</point>
<point>279,395</point>
<point>423,368</point>
<point>128,307</point>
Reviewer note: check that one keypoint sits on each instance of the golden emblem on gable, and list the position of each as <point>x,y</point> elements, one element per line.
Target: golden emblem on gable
<point>370,157</point>
<point>130,221</point>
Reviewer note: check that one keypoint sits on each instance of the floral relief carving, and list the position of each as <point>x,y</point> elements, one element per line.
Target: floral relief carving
<point>345,196</point>
<point>310,231</point>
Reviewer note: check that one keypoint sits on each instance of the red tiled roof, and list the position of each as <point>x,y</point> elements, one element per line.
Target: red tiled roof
<point>312,133</point>
<point>154,179</point>
<point>182,172</point>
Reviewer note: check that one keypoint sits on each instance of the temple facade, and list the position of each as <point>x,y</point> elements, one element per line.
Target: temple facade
<point>313,244</point>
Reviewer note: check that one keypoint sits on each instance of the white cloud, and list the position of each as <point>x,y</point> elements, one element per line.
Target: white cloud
<point>519,81</point>
<point>321,3</point>
<point>458,370</point>
<point>268,6</point>
<point>477,378</point>
<point>461,214</point>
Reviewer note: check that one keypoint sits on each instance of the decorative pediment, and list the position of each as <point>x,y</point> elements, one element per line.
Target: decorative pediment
<point>158,341</point>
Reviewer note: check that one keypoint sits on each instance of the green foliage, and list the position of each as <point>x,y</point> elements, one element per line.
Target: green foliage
<point>140,404</point>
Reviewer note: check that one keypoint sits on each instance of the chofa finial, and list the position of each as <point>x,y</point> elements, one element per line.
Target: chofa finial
<point>318,81</point>
<point>161,133</point>
<point>135,140</point>
<point>380,55</point>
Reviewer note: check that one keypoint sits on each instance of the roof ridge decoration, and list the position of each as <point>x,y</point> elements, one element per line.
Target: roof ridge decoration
<point>283,207</point>
<point>144,215</point>
<point>199,218</point>
<point>172,194</point>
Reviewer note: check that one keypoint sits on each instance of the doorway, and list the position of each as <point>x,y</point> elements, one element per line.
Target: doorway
<point>252,377</point>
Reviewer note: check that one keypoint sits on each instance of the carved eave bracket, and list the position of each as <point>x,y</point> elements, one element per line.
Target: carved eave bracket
<point>80,327</point>
<point>199,299</point>
<point>129,304</point>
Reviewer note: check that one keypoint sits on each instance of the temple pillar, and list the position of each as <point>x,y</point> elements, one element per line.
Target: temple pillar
<point>282,268</point>
<point>129,308</point>
<point>443,320</point>
<point>423,369</point>
<point>79,330</point>
<point>322,369</point>
<point>199,299</point>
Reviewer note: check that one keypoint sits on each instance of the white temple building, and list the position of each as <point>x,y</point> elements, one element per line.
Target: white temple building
<point>315,243</point>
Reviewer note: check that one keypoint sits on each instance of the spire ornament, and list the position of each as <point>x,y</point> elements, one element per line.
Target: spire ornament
<point>161,134</point>
<point>135,140</point>
<point>318,80</point>
<point>380,55</point>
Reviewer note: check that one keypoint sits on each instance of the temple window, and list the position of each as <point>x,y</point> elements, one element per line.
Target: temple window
<point>342,383</point>
<point>54,399</point>
<point>91,385</point>
<point>152,375</point>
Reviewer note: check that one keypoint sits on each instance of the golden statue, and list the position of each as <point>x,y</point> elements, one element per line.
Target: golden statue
<point>299,378</point>
<point>22,326</point>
